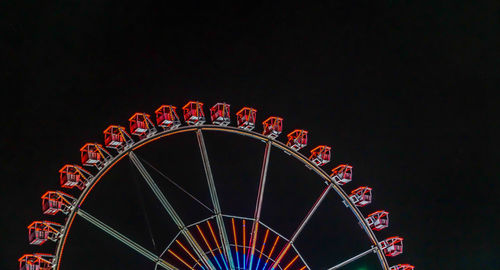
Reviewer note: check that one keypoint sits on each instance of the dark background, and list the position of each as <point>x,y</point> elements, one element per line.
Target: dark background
<point>400,90</point>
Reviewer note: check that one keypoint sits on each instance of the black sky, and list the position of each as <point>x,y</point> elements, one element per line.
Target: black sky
<point>402,90</point>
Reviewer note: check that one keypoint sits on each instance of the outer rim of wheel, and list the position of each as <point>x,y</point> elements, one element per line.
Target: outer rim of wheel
<point>228,129</point>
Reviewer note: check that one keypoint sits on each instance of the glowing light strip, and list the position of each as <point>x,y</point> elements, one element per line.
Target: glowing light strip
<point>251,245</point>
<point>180,259</point>
<point>208,245</point>
<point>217,243</point>
<point>244,248</point>
<point>264,243</point>
<point>262,249</point>
<point>281,255</point>
<point>289,264</point>
<point>235,243</point>
<point>272,249</point>
<point>187,251</point>
<point>213,236</point>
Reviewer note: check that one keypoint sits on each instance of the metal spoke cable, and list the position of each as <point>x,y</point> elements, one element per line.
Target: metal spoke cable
<point>146,217</point>
<point>176,185</point>
<point>141,250</point>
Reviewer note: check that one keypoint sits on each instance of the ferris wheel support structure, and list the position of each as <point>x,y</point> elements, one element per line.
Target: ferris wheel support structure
<point>316,169</point>
<point>215,199</point>
<point>94,154</point>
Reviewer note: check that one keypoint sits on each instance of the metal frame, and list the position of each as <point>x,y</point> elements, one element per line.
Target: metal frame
<point>234,130</point>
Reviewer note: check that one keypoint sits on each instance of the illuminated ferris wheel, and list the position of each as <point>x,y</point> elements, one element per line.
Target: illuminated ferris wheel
<point>219,241</point>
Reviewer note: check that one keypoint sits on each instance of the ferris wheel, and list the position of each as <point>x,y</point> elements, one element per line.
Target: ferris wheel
<point>219,241</point>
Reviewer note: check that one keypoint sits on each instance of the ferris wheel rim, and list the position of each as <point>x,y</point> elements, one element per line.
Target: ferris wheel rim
<point>227,129</point>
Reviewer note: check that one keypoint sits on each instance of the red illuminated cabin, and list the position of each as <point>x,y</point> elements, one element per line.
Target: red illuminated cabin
<point>193,113</point>
<point>36,261</point>
<point>245,118</point>
<point>219,114</point>
<point>392,246</point>
<point>167,118</point>
<point>74,176</point>
<point>361,196</point>
<point>56,201</point>
<point>402,267</point>
<point>93,154</point>
<point>41,231</point>
<point>297,139</point>
<point>378,220</point>
<point>342,174</point>
<point>273,126</point>
<point>116,137</point>
<point>320,155</point>
<point>141,125</point>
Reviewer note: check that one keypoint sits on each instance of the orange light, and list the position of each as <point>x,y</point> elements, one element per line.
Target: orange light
<point>180,259</point>
<point>290,263</point>
<point>281,255</point>
<point>213,235</point>
<point>187,251</point>
<point>234,235</point>
<point>205,239</point>
<point>272,249</point>
<point>263,244</point>
<point>244,241</point>
<point>253,241</point>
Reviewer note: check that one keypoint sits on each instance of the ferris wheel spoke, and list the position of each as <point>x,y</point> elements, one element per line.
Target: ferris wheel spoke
<point>355,258</point>
<point>138,248</point>
<point>258,204</point>
<point>171,211</point>
<point>303,223</point>
<point>215,200</point>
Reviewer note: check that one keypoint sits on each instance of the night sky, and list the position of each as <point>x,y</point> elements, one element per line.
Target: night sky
<point>400,90</point>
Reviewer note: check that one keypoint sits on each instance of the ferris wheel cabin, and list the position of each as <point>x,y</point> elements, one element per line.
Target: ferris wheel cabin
<point>141,125</point>
<point>361,196</point>
<point>320,155</point>
<point>56,201</point>
<point>245,118</point>
<point>273,126</point>
<point>342,174</point>
<point>378,220</point>
<point>93,154</point>
<point>402,267</point>
<point>36,261</point>
<point>193,113</point>
<point>219,114</point>
<point>167,118</point>
<point>72,176</point>
<point>297,139</point>
<point>41,231</point>
<point>116,137</point>
<point>392,246</point>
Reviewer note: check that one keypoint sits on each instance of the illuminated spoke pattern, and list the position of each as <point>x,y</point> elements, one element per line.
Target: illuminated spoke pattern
<point>269,241</point>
